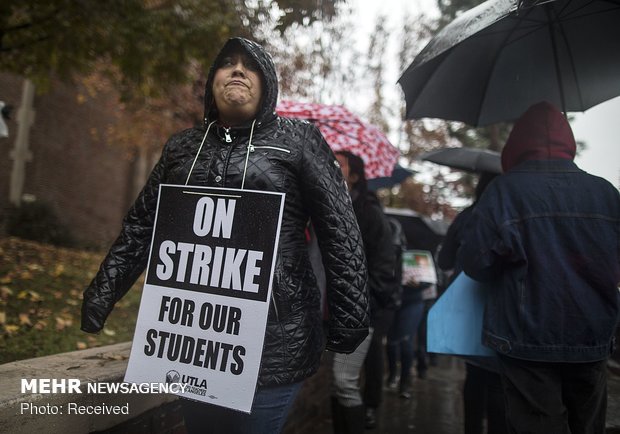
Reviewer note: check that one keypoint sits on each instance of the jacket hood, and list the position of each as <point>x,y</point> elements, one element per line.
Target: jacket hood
<point>267,108</point>
<point>541,133</point>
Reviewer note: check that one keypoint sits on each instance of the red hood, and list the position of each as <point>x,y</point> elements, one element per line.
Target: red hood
<point>541,133</point>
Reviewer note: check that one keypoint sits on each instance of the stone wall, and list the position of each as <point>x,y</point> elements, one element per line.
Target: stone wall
<point>152,414</point>
<point>25,413</point>
<point>309,411</point>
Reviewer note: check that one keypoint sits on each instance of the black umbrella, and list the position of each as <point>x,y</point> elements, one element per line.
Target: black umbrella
<point>421,232</point>
<point>469,159</point>
<point>494,61</point>
<point>399,174</point>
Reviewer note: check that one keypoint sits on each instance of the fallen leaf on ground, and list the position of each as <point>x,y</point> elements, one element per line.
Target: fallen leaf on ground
<point>25,275</point>
<point>34,267</point>
<point>32,295</point>
<point>5,291</point>
<point>59,270</point>
<point>24,319</point>
<point>115,357</point>
<point>10,328</point>
<point>62,323</point>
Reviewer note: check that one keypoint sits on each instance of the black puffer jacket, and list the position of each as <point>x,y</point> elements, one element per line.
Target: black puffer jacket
<point>282,155</point>
<point>383,286</point>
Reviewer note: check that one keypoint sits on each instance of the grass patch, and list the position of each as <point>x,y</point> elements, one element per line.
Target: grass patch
<point>40,301</point>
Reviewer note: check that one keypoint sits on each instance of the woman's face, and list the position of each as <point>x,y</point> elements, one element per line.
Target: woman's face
<point>237,89</point>
<point>349,177</point>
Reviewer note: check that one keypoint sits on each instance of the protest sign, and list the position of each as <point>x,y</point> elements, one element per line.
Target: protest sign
<point>205,301</point>
<point>418,267</point>
<point>454,324</point>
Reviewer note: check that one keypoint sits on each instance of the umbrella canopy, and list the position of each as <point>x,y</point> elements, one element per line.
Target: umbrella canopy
<point>468,159</point>
<point>345,131</point>
<point>494,61</point>
<point>421,232</point>
<point>399,174</point>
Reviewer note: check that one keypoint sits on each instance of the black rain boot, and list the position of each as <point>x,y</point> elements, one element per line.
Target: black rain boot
<point>370,421</point>
<point>354,419</point>
<point>338,422</point>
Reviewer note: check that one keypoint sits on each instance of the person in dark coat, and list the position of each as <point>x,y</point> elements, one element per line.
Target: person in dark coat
<point>546,236</point>
<point>401,336</point>
<point>243,144</point>
<point>447,258</point>
<point>483,398</point>
<point>347,402</point>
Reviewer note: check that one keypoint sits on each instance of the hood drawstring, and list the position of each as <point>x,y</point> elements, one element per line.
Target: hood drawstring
<point>250,148</point>
<point>247,154</point>
<point>198,153</point>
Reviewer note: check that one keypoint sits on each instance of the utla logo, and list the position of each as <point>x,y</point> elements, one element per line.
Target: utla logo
<point>173,377</point>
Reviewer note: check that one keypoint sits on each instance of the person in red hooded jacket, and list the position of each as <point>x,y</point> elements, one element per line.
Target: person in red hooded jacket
<point>547,236</point>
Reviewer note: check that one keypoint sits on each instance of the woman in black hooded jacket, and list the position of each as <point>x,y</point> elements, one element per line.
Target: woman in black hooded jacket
<point>384,290</point>
<point>250,147</point>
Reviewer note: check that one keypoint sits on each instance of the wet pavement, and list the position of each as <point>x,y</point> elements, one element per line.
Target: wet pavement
<point>436,406</point>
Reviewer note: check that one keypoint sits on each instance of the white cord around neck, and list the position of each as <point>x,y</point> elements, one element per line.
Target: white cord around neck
<point>247,154</point>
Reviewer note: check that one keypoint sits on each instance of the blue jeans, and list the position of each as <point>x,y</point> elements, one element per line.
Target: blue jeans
<point>400,339</point>
<point>269,412</point>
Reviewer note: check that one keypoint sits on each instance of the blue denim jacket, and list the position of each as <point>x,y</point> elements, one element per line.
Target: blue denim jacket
<point>547,236</point>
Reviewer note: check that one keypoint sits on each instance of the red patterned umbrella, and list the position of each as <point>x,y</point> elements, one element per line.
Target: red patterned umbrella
<point>345,131</point>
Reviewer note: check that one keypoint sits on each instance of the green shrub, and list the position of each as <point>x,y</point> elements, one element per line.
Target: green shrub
<point>38,221</point>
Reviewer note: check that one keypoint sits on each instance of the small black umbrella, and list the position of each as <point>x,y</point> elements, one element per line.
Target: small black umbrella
<point>399,174</point>
<point>494,61</point>
<point>421,232</point>
<point>468,159</point>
